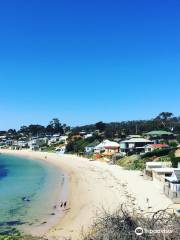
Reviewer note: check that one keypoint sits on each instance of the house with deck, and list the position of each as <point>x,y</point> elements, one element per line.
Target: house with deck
<point>134,145</point>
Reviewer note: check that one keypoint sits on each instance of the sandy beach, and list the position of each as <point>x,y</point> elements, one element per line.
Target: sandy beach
<point>95,185</point>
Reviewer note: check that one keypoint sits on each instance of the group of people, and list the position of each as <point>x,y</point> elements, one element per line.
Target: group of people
<point>63,204</point>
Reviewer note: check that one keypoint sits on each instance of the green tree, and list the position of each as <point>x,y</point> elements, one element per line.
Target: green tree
<point>56,126</point>
<point>100,126</point>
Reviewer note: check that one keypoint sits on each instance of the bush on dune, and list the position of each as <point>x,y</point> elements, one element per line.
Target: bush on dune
<point>121,225</point>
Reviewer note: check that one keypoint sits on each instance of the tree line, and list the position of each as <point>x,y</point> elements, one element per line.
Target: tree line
<point>34,130</point>
<point>164,121</point>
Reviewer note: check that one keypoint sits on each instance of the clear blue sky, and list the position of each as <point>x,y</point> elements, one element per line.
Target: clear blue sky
<point>85,61</point>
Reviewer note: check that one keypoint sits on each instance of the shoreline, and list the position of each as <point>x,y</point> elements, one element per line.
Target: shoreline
<point>93,186</point>
<point>53,210</point>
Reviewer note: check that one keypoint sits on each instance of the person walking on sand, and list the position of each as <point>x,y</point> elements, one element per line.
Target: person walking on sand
<point>65,204</point>
<point>147,201</point>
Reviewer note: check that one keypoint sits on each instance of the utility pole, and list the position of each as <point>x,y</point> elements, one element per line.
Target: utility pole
<point>136,129</point>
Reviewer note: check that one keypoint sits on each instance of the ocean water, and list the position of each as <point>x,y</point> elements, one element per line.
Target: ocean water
<point>29,190</point>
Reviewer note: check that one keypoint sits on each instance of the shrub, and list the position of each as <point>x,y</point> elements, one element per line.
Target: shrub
<point>157,153</point>
<point>173,144</point>
<point>138,164</point>
<point>121,225</point>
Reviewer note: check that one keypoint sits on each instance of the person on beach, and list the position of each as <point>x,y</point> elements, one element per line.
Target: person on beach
<point>65,204</point>
<point>61,204</point>
<point>147,201</point>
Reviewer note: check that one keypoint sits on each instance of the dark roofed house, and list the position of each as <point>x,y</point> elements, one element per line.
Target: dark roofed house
<point>160,135</point>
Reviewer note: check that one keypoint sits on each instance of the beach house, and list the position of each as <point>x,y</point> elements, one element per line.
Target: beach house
<point>88,135</point>
<point>151,166</point>
<point>159,174</point>
<point>134,145</point>
<point>152,147</point>
<point>107,147</point>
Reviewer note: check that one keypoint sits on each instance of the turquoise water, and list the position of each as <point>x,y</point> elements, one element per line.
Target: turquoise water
<point>28,191</point>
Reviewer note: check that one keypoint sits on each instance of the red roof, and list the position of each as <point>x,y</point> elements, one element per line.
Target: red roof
<point>159,145</point>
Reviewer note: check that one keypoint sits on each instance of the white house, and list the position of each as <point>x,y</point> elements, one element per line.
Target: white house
<point>88,135</point>
<point>37,142</point>
<point>134,144</point>
<point>159,174</point>
<point>63,139</point>
<point>154,165</point>
<point>61,150</point>
<point>107,146</point>
<point>22,144</point>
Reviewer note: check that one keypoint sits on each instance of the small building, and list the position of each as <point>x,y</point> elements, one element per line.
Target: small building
<point>37,142</point>
<point>34,147</point>
<point>152,147</point>
<point>9,142</point>
<point>89,135</point>
<point>172,186</point>
<point>54,139</point>
<point>90,148</point>
<point>61,150</point>
<point>22,144</point>
<point>159,174</point>
<point>155,165</point>
<point>151,166</point>
<point>134,145</point>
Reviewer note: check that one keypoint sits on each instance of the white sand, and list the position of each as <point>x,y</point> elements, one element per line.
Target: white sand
<point>94,185</point>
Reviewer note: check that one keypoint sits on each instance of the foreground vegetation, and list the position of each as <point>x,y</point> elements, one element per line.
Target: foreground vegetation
<point>121,225</point>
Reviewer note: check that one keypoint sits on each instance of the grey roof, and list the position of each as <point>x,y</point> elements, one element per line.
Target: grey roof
<point>135,140</point>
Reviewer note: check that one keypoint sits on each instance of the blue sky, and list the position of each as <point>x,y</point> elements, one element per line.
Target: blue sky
<point>86,61</point>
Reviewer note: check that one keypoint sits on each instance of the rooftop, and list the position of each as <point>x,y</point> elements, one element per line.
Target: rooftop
<point>159,133</point>
<point>164,170</point>
<point>157,145</point>
<point>175,176</point>
<point>134,140</point>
